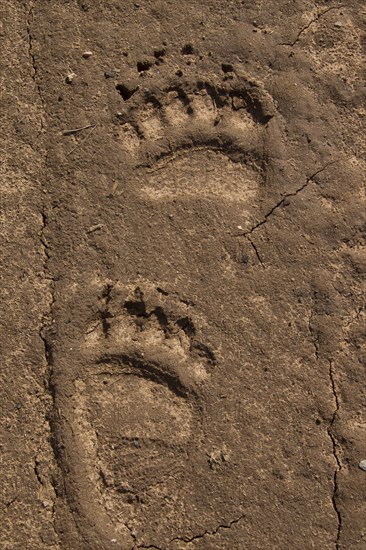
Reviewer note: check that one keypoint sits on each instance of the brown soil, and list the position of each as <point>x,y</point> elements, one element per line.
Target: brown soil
<point>183,238</point>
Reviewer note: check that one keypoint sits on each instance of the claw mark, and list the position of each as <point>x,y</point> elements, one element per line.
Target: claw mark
<point>105,314</point>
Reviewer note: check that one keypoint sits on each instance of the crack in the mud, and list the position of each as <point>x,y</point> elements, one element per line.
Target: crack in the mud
<point>213,532</point>
<point>356,316</point>
<point>311,22</point>
<point>152,546</point>
<point>9,502</point>
<point>47,319</point>
<point>36,470</point>
<point>335,452</point>
<point>281,202</point>
<point>254,246</point>
<point>44,240</point>
<point>46,323</point>
<point>314,335</point>
<point>30,20</point>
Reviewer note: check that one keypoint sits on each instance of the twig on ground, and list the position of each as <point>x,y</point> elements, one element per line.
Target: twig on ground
<point>93,126</point>
<point>77,130</point>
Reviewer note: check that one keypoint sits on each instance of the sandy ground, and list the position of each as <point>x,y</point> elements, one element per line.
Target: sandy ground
<point>183,258</point>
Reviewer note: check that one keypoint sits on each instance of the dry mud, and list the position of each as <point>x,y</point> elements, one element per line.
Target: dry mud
<point>183,244</point>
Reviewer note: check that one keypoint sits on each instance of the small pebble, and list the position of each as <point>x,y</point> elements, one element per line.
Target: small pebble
<point>109,74</point>
<point>338,24</point>
<point>91,230</point>
<point>87,54</point>
<point>362,465</point>
<point>70,78</point>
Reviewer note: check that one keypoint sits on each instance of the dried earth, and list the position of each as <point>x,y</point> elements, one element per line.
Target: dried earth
<point>183,241</point>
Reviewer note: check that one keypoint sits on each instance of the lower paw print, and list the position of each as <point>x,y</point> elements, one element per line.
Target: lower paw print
<point>136,413</point>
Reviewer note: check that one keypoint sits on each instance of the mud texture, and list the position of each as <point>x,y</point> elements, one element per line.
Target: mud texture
<point>183,236</point>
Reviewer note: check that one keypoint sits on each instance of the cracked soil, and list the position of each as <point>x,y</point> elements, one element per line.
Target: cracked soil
<point>183,258</point>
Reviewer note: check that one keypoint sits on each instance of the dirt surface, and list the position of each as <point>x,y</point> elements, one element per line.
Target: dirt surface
<point>183,241</point>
